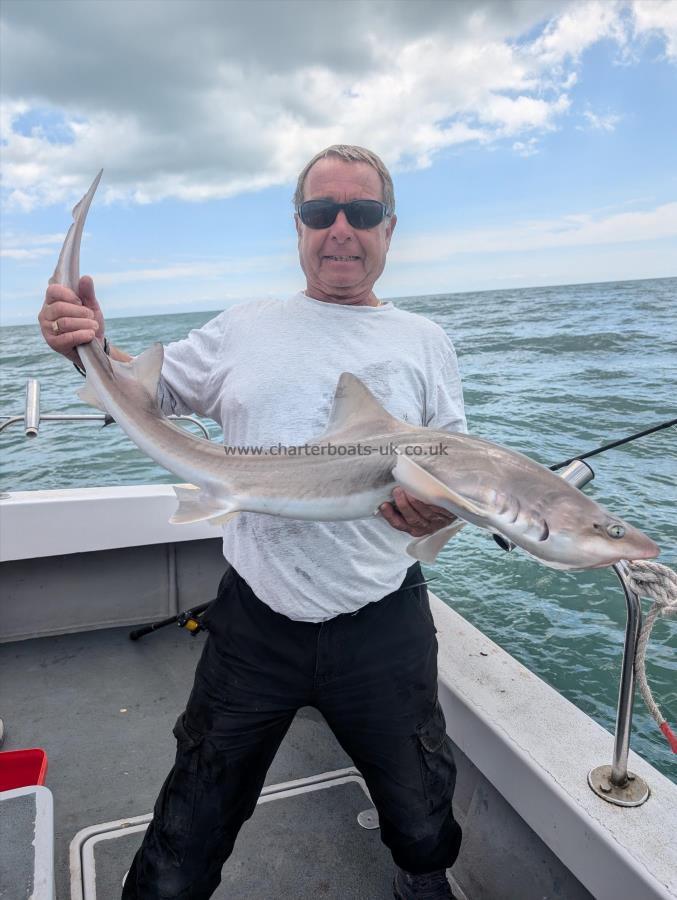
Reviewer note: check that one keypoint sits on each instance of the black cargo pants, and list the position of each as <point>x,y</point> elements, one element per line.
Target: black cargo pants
<point>372,674</point>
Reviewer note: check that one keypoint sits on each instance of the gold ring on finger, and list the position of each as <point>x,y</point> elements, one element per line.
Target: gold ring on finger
<point>55,326</point>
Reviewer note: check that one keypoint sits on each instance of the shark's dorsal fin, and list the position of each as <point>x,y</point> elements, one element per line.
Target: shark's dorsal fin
<point>147,366</point>
<point>356,413</point>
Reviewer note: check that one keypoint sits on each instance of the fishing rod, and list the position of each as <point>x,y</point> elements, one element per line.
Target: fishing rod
<point>626,440</point>
<point>188,619</point>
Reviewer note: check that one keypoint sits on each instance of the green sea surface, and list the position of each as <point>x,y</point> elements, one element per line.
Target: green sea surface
<point>551,372</point>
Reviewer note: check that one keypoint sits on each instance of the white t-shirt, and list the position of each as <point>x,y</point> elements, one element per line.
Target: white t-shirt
<point>266,371</point>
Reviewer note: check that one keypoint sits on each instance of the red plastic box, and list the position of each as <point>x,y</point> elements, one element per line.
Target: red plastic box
<point>21,768</point>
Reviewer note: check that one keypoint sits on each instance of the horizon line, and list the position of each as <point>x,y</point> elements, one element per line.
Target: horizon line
<point>18,323</point>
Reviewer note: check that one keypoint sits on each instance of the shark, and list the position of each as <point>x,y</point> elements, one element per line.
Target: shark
<point>352,467</point>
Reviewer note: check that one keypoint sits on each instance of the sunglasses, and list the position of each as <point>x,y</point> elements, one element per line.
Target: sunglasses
<point>359,213</point>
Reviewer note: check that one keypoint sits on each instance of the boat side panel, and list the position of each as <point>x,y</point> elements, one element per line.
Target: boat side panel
<point>126,586</point>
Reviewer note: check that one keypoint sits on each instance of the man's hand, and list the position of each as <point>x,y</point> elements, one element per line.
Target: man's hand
<point>418,519</point>
<point>67,319</point>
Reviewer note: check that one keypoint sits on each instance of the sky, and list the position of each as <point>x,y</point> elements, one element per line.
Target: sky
<point>531,142</point>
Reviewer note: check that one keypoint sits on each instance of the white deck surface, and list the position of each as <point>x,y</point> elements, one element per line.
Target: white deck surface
<point>537,748</point>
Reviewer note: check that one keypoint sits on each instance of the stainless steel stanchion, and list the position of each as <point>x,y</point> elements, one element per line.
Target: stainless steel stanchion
<point>614,783</point>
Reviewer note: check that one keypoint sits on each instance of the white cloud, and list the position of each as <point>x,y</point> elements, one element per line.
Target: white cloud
<point>28,246</point>
<point>657,17</point>
<point>579,26</point>
<point>526,148</point>
<point>597,122</point>
<point>197,101</point>
<point>198,270</point>
<point>23,254</point>
<point>575,230</point>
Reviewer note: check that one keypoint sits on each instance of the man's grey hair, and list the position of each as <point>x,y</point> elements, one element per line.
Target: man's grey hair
<point>351,153</point>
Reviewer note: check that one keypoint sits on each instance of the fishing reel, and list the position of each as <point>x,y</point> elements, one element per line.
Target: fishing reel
<point>190,619</point>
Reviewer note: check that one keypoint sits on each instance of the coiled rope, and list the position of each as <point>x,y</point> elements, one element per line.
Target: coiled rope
<point>658,583</point>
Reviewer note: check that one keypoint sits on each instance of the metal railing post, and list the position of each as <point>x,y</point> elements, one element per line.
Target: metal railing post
<point>614,783</point>
<point>32,415</point>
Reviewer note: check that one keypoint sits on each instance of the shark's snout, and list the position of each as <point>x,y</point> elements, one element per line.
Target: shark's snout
<point>644,548</point>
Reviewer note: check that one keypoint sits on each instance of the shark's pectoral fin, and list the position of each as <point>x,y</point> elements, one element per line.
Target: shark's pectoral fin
<point>425,487</point>
<point>195,506</point>
<point>426,548</point>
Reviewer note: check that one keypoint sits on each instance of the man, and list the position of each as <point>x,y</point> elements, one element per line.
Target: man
<point>319,614</point>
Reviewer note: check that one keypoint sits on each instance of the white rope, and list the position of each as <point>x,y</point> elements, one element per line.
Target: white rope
<point>659,583</point>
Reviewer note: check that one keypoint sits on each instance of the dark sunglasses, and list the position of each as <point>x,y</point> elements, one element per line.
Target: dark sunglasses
<point>359,213</point>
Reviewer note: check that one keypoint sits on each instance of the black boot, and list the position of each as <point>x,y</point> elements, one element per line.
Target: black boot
<point>431,886</point>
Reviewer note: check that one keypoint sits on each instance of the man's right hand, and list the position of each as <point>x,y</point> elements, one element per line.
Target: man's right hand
<point>78,318</point>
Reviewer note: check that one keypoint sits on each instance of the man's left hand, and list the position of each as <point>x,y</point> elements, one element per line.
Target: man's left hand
<point>418,519</point>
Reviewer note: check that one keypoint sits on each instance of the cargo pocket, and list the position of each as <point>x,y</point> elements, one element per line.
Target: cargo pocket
<point>175,807</point>
<point>438,770</point>
<point>187,742</point>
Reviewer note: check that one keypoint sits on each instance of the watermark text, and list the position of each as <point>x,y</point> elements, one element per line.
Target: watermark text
<point>334,450</point>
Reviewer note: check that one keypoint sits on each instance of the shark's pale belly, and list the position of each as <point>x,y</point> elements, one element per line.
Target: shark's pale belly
<point>318,509</point>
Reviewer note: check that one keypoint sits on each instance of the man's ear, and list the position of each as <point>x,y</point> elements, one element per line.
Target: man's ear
<point>297,222</point>
<point>390,227</point>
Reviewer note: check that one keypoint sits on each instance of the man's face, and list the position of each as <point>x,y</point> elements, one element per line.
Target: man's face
<point>342,263</point>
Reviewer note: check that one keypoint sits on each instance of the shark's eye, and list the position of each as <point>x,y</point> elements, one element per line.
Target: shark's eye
<point>615,531</point>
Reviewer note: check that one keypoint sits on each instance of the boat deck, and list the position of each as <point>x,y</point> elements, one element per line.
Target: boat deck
<point>103,708</point>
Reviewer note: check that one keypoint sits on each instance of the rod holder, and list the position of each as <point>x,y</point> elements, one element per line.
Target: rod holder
<point>614,783</point>
<point>32,414</point>
<point>577,473</point>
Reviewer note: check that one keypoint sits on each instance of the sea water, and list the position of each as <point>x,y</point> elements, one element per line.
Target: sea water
<point>551,372</point>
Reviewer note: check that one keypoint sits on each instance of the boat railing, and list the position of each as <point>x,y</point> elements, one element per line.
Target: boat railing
<point>32,416</point>
<point>614,783</point>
